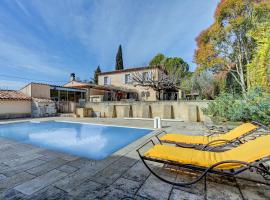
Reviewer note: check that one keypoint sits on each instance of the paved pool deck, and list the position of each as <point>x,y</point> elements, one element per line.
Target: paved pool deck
<point>29,172</point>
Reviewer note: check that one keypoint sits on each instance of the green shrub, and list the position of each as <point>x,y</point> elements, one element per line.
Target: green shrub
<point>234,108</point>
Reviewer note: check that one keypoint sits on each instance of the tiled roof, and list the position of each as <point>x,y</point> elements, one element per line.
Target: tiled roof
<point>13,95</point>
<point>131,70</point>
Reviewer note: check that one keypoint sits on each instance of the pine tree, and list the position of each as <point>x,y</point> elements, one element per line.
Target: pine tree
<point>97,71</point>
<point>119,59</point>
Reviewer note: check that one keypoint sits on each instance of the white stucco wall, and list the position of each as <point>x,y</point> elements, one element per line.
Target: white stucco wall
<point>15,107</point>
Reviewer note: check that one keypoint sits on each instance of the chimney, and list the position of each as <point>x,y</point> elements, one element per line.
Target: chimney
<point>72,77</point>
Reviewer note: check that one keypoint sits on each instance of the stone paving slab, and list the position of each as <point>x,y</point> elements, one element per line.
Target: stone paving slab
<point>114,171</point>
<point>186,176</point>
<point>12,195</point>
<point>154,188</point>
<point>58,155</point>
<point>217,191</point>
<point>68,169</point>
<point>75,179</point>
<point>15,180</point>
<point>40,182</point>
<point>183,195</point>
<point>87,190</point>
<point>46,167</point>
<point>49,193</point>
<point>127,185</point>
<point>19,168</point>
<point>252,190</point>
<point>21,160</point>
<point>137,172</point>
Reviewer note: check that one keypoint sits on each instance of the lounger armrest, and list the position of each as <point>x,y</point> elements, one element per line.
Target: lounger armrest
<point>150,141</point>
<point>212,143</point>
<point>159,134</point>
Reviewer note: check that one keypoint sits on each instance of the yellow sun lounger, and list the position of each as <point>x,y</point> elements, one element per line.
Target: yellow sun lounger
<point>251,155</point>
<point>201,141</point>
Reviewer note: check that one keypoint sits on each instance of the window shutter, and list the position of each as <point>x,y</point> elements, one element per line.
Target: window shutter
<point>123,78</point>
<point>109,80</point>
<point>150,75</point>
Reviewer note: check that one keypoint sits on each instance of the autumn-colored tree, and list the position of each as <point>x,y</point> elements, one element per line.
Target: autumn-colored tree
<point>226,45</point>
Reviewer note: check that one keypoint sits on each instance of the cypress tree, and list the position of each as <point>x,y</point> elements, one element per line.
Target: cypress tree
<point>97,71</point>
<point>119,59</point>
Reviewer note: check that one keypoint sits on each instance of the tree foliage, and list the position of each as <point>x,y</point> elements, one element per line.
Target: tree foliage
<point>157,60</point>
<point>259,69</point>
<point>97,71</point>
<point>227,45</point>
<point>206,84</point>
<point>119,59</point>
<point>174,66</point>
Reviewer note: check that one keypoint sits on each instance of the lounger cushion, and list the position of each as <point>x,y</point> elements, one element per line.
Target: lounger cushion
<point>248,152</point>
<point>201,140</point>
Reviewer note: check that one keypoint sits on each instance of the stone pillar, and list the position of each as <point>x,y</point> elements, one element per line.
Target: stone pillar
<point>126,111</point>
<point>146,111</point>
<point>112,111</point>
<point>193,113</point>
<point>167,112</point>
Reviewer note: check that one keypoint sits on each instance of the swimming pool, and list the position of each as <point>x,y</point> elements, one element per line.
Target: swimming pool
<point>80,139</point>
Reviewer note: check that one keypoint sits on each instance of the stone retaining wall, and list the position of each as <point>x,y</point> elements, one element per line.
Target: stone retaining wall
<point>182,110</point>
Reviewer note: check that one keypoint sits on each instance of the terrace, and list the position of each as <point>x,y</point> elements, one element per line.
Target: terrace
<point>29,172</point>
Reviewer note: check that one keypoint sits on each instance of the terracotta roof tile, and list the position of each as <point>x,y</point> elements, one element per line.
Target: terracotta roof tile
<point>13,95</point>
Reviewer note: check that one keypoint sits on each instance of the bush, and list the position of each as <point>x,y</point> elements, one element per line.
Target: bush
<point>234,108</point>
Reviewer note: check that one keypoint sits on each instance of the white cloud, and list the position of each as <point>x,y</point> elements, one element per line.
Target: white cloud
<point>10,85</point>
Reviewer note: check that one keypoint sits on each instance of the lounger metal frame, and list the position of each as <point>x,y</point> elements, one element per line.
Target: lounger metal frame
<point>259,166</point>
<point>211,145</point>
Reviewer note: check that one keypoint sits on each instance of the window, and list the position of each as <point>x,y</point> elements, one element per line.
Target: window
<point>106,80</point>
<point>128,79</point>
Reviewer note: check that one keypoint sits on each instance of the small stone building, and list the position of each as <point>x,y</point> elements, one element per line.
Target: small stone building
<point>14,104</point>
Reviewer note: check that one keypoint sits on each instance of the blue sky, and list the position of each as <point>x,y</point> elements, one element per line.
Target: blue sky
<point>44,41</point>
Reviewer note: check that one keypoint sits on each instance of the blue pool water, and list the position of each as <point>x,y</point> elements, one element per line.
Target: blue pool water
<point>86,140</point>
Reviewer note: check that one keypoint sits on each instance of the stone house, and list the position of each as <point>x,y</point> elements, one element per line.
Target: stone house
<point>124,79</point>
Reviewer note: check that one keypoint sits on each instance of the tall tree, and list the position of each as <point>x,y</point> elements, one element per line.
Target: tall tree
<point>225,45</point>
<point>174,66</point>
<point>119,59</point>
<point>97,71</point>
<point>157,60</point>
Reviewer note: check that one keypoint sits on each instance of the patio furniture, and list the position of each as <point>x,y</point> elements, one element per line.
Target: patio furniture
<point>210,142</point>
<point>250,157</point>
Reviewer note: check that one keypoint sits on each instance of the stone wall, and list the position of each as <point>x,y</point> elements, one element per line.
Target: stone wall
<point>14,109</point>
<point>182,110</point>
<point>43,108</point>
